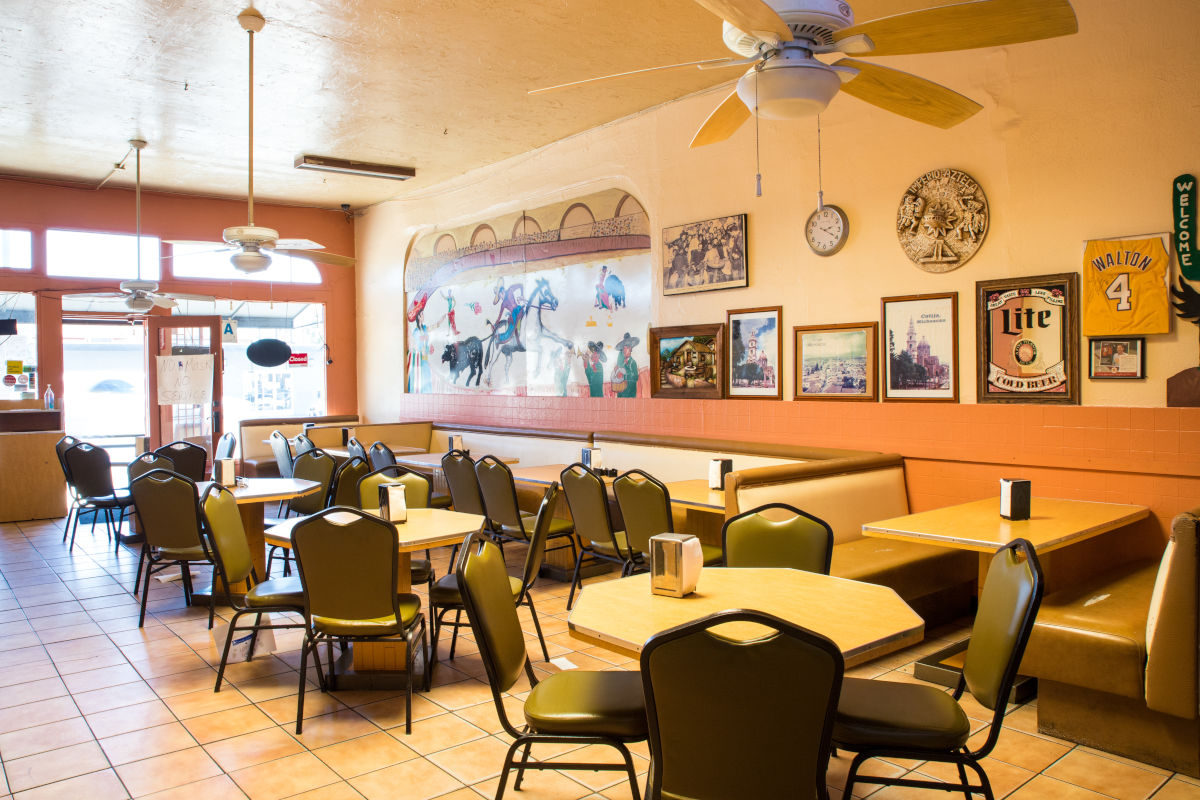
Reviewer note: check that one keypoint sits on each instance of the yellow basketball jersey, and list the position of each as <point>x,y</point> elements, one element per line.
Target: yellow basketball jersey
<point>1125,287</point>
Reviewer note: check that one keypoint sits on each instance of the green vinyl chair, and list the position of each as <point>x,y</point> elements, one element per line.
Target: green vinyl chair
<point>887,719</point>
<point>281,448</point>
<point>227,538</point>
<point>777,535</point>
<point>312,465</point>
<point>144,463</point>
<point>462,482</point>
<point>505,518</point>
<point>168,506</point>
<point>769,738</point>
<point>588,500</point>
<point>189,458</point>
<point>416,495</point>
<point>445,596</point>
<point>572,707</point>
<point>348,563</point>
<point>344,491</point>
<point>645,506</point>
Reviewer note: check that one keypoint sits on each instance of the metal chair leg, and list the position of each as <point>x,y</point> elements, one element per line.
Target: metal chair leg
<point>537,626</point>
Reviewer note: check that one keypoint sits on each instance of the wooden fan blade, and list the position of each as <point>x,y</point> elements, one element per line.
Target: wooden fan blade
<point>708,63</point>
<point>332,259</point>
<point>907,95</point>
<point>723,122</point>
<point>750,16</point>
<point>981,23</point>
<point>199,298</point>
<point>296,244</point>
<point>163,301</point>
<point>95,295</point>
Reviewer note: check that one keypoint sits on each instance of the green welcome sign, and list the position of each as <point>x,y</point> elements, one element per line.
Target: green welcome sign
<point>1185,226</point>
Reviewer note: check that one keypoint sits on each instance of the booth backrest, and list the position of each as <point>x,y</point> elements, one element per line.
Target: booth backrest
<point>254,433</point>
<point>532,446</point>
<point>325,435</point>
<point>1171,634</point>
<point>409,434</point>
<point>844,492</point>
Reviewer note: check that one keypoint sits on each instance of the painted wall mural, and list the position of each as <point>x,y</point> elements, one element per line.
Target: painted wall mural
<point>559,308</point>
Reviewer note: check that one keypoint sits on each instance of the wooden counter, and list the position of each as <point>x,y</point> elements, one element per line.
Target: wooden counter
<point>31,480</point>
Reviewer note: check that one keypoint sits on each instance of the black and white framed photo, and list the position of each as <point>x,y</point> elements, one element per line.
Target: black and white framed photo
<point>920,342</point>
<point>704,256</point>
<point>1117,357</point>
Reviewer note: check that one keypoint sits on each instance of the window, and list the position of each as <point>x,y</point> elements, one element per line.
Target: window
<point>16,249</point>
<point>206,262</point>
<point>18,352</point>
<point>83,254</point>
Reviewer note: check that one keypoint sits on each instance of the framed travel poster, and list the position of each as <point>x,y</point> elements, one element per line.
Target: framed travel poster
<point>920,342</point>
<point>688,361</point>
<point>1028,330</point>
<point>837,362</point>
<point>1117,357</point>
<point>703,256</point>
<point>755,348</point>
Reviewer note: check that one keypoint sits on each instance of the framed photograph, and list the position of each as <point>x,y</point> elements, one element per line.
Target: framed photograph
<point>703,256</point>
<point>688,361</point>
<point>755,349</point>
<point>1028,331</point>
<point>837,362</point>
<point>920,342</point>
<point>1117,357</point>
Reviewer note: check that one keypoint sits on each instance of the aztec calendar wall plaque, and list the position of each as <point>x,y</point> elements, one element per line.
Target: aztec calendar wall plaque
<point>942,220</point>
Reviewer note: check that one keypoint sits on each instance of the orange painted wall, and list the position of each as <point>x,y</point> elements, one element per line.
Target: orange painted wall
<point>37,207</point>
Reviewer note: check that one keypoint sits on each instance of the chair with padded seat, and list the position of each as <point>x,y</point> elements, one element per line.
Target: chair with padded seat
<point>769,738</point>
<point>445,597</point>
<point>571,707</point>
<point>281,448</point>
<point>777,535</point>
<point>60,448</point>
<point>645,505</point>
<point>226,446</point>
<point>91,475</point>
<point>462,482</point>
<point>313,465</point>
<point>234,564</point>
<point>348,565</point>
<point>505,519</point>
<point>190,459</point>
<point>588,500</point>
<point>380,455</point>
<point>138,467</point>
<point>416,495</point>
<point>355,448</point>
<point>887,719</point>
<point>344,491</point>
<point>168,506</point>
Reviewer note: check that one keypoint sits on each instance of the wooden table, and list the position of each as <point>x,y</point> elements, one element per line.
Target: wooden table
<point>864,620</point>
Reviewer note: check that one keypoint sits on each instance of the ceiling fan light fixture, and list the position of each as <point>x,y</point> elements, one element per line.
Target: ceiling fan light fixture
<point>345,167</point>
<point>250,259</point>
<point>789,88</point>
<point>139,303</point>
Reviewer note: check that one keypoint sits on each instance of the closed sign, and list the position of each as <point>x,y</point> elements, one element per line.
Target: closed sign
<point>298,360</point>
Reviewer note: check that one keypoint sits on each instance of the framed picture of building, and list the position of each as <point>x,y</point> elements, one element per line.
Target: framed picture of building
<point>688,361</point>
<point>837,362</point>
<point>1028,332</point>
<point>754,352</point>
<point>1117,357</point>
<point>703,256</point>
<point>920,344</point>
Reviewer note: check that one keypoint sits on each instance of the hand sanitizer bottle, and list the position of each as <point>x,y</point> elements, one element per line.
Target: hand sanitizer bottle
<point>49,397</point>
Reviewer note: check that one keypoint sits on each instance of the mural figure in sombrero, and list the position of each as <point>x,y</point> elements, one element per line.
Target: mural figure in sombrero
<point>625,372</point>
<point>592,359</point>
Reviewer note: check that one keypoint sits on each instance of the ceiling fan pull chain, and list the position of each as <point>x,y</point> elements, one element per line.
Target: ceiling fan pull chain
<point>820,186</point>
<point>757,151</point>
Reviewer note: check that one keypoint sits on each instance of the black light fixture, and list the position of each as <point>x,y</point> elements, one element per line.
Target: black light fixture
<point>269,352</point>
<point>326,164</point>
<point>8,327</point>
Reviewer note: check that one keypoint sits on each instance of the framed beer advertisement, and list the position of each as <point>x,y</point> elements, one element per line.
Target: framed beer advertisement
<point>920,341</point>
<point>1028,348</point>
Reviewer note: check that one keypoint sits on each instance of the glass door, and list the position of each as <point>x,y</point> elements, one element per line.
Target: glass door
<point>185,398</point>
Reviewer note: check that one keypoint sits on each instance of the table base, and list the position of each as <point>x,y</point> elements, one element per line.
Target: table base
<point>945,668</point>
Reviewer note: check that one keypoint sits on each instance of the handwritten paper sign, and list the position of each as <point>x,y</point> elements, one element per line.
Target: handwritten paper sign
<point>185,380</point>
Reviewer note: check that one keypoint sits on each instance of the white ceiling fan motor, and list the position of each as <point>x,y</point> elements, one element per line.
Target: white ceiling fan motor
<point>811,20</point>
<point>789,85</point>
<point>139,303</point>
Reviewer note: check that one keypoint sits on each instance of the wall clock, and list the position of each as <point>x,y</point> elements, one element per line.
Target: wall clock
<point>826,230</point>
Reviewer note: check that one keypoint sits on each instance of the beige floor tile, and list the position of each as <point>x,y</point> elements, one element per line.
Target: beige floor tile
<point>127,694</point>
<point>39,739</point>
<point>167,771</point>
<point>218,787</point>
<point>333,728</point>
<point>184,682</point>
<point>1120,780</point>
<point>147,743</point>
<point>283,709</point>
<point>1024,750</point>
<point>390,713</point>
<point>129,718</point>
<point>38,713</point>
<point>543,784</point>
<point>205,701</point>
<point>227,724</point>
<point>285,777</point>
<point>601,754</point>
<point>101,678</point>
<point>365,754</point>
<point>1177,789</point>
<point>250,749</point>
<point>412,780</point>
<point>474,761</point>
<point>54,765</point>
<point>1043,788</point>
<point>485,716</point>
<point>1005,778</point>
<point>102,785</point>
<point>334,791</point>
<point>439,733</point>
<point>31,691</point>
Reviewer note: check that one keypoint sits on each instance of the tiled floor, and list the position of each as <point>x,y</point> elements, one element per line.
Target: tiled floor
<point>92,707</point>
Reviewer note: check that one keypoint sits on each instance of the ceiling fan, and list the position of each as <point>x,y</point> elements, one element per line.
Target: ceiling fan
<point>252,245</point>
<point>141,296</point>
<point>780,39</point>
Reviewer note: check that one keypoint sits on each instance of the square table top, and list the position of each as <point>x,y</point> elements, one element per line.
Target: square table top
<point>978,526</point>
<point>425,527</point>
<point>265,490</point>
<point>864,620</point>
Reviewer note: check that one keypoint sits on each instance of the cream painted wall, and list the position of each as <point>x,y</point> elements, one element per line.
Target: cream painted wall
<point>1079,138</point>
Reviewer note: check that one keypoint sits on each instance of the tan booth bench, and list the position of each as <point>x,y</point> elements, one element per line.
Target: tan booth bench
<point>681,458</point>
<point>258,461</point>
<point>846,493</point>
<point>1116,658</point>
<point>406,434</point>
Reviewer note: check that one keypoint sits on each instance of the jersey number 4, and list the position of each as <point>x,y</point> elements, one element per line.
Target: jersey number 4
<point>1119,290</point>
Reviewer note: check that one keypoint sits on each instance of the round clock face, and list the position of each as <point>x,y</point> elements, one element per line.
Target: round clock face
<point>827,230</point>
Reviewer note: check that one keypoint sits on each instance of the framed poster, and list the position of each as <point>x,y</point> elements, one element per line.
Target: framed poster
<point>920,341</point>
<point>1117,357</point>
<point>837,362</point>
<point>703,256</point>
<point>755,348</point>
<point>1028,331</point>
<point>688,361</point>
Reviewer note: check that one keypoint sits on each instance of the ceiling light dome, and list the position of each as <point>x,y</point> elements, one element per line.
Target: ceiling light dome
<point>250,259</point>
<point>139,303</point>
<point>789,86</point>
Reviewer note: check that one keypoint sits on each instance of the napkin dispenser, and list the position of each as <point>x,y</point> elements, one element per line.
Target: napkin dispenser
<point>456,442</point>
<point>391,502</point>
<point>1015,498</point>
<point>675,562</point>
<point>225,471</point>
<point>718,468</point>
<point>590,457</point>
